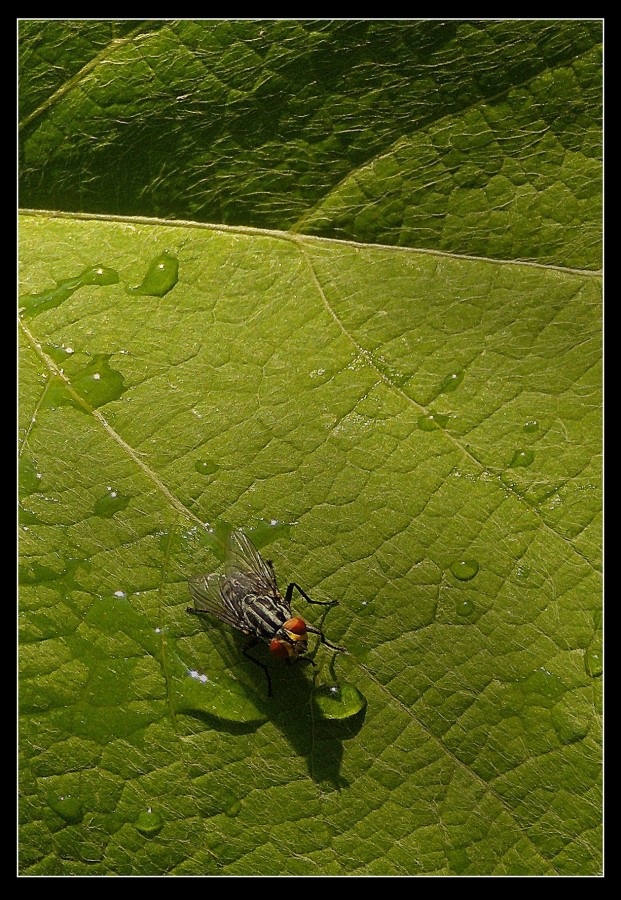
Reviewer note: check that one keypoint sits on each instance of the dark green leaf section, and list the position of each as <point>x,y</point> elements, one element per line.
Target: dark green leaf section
<point>476,137</point>
<point>421,434</point>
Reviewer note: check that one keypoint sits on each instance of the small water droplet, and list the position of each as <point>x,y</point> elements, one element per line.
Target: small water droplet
<point>522,458</point>
<point>531,426</point>
<point>464,569</point>
<point>594,662</point>
<point>67,807</point>
<point>464,607</point>
<point>366,608</point>
<point>32,304</point>
<point>432,421</point>
<point>29,478</point>
<point>98,382</point>
<point>451,382</point>
<point>206,466</point>
<point>149,822</point>
<point>233,807</point>
<point>523,572</point>
<point>339,701</point>
<point>111,503</point>
<point>162,275</point>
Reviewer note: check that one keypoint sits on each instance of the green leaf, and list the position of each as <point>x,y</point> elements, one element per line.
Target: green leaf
<point>290,379</point>
<point>413,429</point>
<point>481,138</point>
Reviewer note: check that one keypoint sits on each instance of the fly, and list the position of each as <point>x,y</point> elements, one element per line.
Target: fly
<point>247,598</point>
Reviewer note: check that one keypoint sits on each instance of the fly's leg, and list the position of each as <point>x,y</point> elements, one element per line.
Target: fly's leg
<point>311,628</point>
<point>253,643</point>
<point>289,595</point>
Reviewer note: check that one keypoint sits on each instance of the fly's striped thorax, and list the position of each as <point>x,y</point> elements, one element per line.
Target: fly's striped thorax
<point>265,614</point>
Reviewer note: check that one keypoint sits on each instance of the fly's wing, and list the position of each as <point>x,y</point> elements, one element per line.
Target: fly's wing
<point>243,558</point>
<point>206,591</point>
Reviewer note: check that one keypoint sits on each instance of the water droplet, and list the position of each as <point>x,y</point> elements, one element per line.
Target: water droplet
<point>67,807</point>
<point>32,304</point>
<point>594,662</point>
<point>149,822</point>
<point>464,607</point>
<point>58,352</point>
<point>162,275</point>
<point>523,572</point>
<point>367,608</point>
<point>464,569</point>
<point>339,701</point>
<point>111,503</point>
<point>197,694</point>
<point>98,382</point>
<point>206,466</point>
<point>531,426</point>
<point>522,458</point>
<point>542,688</point>
<point>451,382</point>
<point>265,531</point>
<point>432,421</point>
<point>233,807</point>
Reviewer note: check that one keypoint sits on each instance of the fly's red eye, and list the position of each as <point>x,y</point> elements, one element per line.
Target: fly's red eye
<point>279,648</point>
<point>295,625</point>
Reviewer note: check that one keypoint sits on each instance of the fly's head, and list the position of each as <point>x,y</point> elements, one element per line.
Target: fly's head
<point>291,639</point>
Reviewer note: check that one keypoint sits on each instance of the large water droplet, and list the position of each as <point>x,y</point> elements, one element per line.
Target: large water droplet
<point>98,383</point>
<point>339,701</point>
<point>196,694</point>
<point>111,503</point>
<point>531,426</point>
<point>522,458</point>
<point>32,304</point>
<point>161,277</point>
<point>149,822</point>
<point>464,569</point>
<point>67,807</point>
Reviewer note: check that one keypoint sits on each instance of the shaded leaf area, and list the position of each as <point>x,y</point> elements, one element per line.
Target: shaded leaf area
<point>367,405</point>
<point>475,137</point>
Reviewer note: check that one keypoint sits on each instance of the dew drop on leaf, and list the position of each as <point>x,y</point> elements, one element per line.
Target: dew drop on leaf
<point>452,382</point>
<point>111,503</point>
<point>67,807</point>
<point>464,569</point>
<point>432,421</point>
<point>522,458</point>
<point>464,607</point>
<point>162,275</point>
<point>339,701</point>
<point>593,662</point>
<point>149,822</point>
